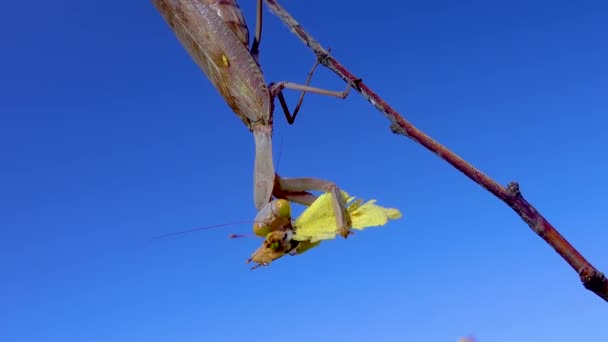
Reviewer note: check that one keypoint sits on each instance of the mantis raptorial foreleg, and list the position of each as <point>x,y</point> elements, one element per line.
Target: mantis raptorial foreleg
<point>296,190</point>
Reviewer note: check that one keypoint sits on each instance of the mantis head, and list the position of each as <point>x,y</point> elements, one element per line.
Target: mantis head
<point>274,216</point>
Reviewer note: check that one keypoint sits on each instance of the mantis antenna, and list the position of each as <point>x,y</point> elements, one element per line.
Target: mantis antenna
<point>206,228</point>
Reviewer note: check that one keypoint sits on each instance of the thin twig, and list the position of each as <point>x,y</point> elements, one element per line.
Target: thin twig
<point>591,278</point>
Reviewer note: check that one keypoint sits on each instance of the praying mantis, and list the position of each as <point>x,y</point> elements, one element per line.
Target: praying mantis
<point>216,36</point>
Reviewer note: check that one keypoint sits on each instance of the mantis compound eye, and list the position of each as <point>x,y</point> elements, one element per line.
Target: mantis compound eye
<point>282,208</point>
<point>261,229</point>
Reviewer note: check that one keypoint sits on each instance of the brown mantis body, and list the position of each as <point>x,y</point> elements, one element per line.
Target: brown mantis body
<point>216,36</point>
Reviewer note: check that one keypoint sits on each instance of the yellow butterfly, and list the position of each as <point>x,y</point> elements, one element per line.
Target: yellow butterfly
<point>318,222</point>
<point>315,224</point>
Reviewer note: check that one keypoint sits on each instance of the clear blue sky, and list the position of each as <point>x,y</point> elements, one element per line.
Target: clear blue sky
<point>110,135</point>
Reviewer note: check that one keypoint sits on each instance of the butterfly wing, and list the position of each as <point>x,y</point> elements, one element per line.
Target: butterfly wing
<point>318,221</point>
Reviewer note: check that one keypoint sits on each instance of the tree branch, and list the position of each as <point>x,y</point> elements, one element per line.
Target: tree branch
<point>591,278</point>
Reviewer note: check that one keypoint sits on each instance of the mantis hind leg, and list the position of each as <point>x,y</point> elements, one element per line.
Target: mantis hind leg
<point>276,90</point>
<point>255,46</point>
